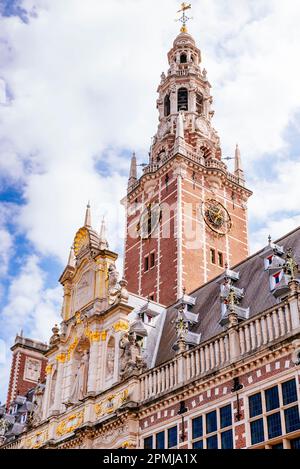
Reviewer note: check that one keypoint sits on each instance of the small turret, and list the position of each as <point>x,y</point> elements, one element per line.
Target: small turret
<point>72,259</point>
<point>133,171</point>
<point>103,244</point>
<point>238,171</point>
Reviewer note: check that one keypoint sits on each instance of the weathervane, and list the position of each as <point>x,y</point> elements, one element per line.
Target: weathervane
<point>184,19</point>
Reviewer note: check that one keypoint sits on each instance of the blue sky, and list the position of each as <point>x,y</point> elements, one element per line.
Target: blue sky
<point>78,94</point>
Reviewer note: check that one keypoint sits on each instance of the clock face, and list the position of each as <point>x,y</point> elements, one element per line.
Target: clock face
<point>216,217</point>
<point>149,220</point>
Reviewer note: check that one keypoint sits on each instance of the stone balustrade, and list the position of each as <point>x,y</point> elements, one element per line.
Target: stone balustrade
<point>224,349</point>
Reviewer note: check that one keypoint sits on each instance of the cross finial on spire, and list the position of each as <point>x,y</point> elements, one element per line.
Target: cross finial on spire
<point>184,19</point>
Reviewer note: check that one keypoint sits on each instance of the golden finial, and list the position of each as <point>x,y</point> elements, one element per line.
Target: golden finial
<point>184,19</point>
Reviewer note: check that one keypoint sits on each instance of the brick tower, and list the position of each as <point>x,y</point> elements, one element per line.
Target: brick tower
<point>27,368</point>
<point>186,214</point>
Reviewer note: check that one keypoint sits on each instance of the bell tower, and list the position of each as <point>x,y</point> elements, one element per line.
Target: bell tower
<point>186,214</point>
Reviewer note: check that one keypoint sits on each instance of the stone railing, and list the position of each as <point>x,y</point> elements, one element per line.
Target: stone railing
<point>193,156</point>
<point>224,349</point>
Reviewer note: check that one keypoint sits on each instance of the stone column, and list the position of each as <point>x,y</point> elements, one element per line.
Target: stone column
<point>234,343</point>
<point>93,363</point>
<point>49,371</point>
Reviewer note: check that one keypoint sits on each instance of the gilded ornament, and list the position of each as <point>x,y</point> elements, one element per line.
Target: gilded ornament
<point>61,358</point>
<point>70,424</point>
<point>93,336</point>
<point>48,369</point>
<point>72,347</point>
<point>121,326</point>
<point>78,318</point>
<point>103,335</point>
<point>111,403</point>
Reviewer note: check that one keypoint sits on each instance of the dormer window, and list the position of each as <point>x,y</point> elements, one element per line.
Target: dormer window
<point>275,279</point>
<point>167,105</point>
<point>182,99</point>
<point>183,59</point>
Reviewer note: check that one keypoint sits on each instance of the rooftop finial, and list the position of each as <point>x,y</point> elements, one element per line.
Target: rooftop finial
<point>133,171</point>
<point>71,260</point>
<point>103,241</point>
<point>184,19</point>
<point>87,221</point>
<point>270,240</point>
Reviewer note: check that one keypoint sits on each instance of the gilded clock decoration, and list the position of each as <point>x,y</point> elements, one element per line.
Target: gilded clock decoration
<point>216,217</point>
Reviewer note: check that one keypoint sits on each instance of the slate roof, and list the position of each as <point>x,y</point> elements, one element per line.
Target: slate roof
<point>255,281</point>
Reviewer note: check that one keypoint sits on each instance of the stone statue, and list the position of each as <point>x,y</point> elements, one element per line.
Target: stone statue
<point>37,401</point>
<point>110,361</point>
<point>131,355</point>
<point>290,267</point>
<point>4,425</point>
<point>113,285</point>
<point>80,382</point>
<point>116,289</point>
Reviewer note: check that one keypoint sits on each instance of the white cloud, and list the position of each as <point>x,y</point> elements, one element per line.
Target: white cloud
<point>6,244</point>
<point>31,307</point>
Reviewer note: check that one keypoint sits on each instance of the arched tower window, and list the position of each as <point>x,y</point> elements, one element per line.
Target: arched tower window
<point>199,103</point>
<point>182,99</point>
<point>183,59</point>
<point>167,105</point>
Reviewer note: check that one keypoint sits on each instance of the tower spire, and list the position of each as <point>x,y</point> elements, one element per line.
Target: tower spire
<point>133,171</point>
<point>87,221</point>
<point>238,170</point>
<point>103,244</point>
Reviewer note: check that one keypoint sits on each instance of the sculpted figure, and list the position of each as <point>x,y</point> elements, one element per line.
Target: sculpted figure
<point>110,361</point>
<point>131,355</point>
<point>113,285</point>
<point>80,382</point>
<point>37,401</point>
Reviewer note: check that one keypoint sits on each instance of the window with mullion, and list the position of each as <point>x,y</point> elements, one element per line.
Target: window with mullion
<point>274,425</point>
<point>272,398</point>
<point>265,421</point>
<point>292,420</point>
<point>289,392</point>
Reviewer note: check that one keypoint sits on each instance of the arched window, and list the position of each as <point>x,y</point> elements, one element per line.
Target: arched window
<point>167,105</point>
<point>183,59</point>
<point>182,99</point>
<point>199,103</point>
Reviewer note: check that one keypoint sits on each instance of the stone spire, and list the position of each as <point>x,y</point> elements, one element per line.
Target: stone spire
<point>87,221</point>
<point>103,244</point>
<point>180,146</point>
<point>71,260</point>
<point>238,171</point>
<point>133,171</point>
